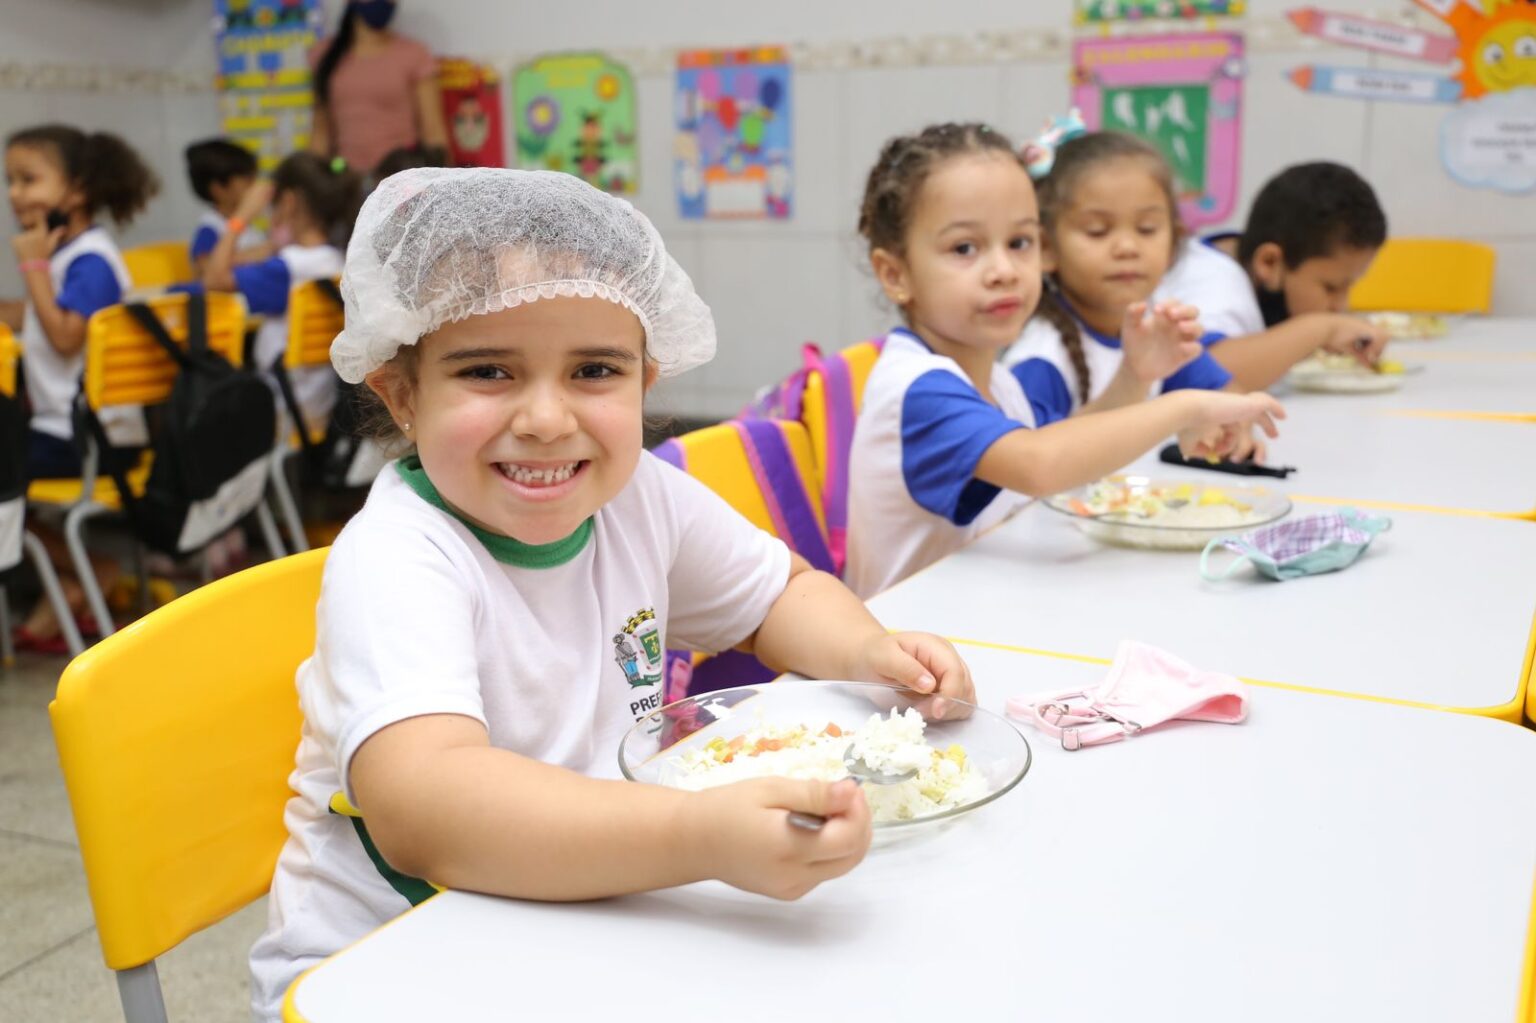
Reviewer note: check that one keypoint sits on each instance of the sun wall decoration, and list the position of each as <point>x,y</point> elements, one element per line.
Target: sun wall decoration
<point>1489,139</point>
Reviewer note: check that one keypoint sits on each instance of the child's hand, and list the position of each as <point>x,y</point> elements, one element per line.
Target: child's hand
<point>1159,339</point>
<point>1248,447</point>
<point>1349,335</point>
<point>255,200</point>
<point>746,839</point>
<point>1223,419</point>
<point>922,662</point>
<point>37,242</point>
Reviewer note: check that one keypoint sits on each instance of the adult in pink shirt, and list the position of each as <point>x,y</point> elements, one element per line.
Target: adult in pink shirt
<point>375,90</point>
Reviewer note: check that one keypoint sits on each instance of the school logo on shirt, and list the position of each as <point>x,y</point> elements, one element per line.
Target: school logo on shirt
<point>637,649</point>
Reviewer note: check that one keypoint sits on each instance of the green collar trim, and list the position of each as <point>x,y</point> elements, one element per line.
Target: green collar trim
<point>503,548</point>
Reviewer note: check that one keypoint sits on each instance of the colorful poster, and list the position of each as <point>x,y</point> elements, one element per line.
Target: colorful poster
<point>1094,11</point>
<point>263,80</point>
<point>576,112</point>
<point>732,157</point>
<point>472,112</point>
<point>1183,93</point>
<point>1489,139</point>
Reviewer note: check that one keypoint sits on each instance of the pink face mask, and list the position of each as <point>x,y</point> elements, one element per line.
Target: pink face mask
<point>1145,687</point>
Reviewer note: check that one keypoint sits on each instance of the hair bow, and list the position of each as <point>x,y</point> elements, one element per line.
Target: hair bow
<point>1040,154</point>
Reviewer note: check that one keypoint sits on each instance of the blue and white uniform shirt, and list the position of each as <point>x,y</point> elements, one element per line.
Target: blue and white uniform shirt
<point>913,495</point>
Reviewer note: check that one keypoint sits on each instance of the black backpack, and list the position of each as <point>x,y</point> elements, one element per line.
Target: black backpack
<point>211,439</point>
<point>328,463</point>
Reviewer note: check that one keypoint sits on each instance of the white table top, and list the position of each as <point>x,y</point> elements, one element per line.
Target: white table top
<point>1339,453</point>
<point>1438,611</point>
<point>1328,859</point>
<point>1490,338</point>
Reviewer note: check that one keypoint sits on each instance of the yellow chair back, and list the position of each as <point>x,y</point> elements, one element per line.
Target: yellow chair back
<point>10,361</point>
<point>715,457</point>
<point>314,320</point>
<point>176,737</point>
<point>158,264</point>
<point>860,359</point>
<point>124,365</point>
<point>1427,275</point>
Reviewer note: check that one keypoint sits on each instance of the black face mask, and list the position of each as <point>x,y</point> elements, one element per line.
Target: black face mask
<point>1272,305</point>
<point>376,14</point>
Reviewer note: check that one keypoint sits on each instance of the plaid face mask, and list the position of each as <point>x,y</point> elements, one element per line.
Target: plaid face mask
<point>1298,547</point>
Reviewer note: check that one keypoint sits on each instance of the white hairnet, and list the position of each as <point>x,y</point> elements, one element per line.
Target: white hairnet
<point>434,245</point>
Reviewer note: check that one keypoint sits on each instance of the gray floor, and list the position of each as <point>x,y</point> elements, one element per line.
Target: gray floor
<point>50,962</point>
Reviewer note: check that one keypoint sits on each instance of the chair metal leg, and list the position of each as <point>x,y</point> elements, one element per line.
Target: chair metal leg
<point>74,524</point>
<point>55,593</point>
<point>7,641</point>
<point>269,534</point>
<point>139,988</point>
<point>286,503</point>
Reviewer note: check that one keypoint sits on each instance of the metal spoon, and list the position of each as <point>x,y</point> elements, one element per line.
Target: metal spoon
<point>860,772</point>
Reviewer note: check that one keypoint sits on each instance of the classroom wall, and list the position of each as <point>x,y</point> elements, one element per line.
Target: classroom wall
<point>775,285</point>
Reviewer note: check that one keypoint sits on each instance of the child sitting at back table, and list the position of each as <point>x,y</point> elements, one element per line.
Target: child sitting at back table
<point>947,442</point>
<point>1110,227</point>
<point>313,200</point>
<point>60,179</point>
<point>463,706</point>
<point>221,172</point>
<point>1312,232</point>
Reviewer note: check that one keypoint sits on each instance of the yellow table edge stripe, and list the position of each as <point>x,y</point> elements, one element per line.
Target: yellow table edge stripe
<point>1510,711</point>
<point>1432,509</point>
<point>1492,417</point>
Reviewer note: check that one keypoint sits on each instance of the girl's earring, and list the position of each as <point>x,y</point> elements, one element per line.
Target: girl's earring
<point>406,427</point>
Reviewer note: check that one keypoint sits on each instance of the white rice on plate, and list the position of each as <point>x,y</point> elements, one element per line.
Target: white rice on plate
<point>945,778</point>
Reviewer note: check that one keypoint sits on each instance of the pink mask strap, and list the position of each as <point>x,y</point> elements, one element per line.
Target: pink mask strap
<point>1069,717</point>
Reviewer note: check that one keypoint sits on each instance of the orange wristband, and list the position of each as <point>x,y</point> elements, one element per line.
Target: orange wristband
<point>234,225</point>
<point>38,265</point>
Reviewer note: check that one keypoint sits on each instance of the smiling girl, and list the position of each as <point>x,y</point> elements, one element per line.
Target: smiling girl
<point>464,703</point>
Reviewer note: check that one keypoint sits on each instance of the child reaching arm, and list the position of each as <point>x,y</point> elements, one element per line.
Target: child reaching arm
<point>464,703</point>
<point>948,442</point>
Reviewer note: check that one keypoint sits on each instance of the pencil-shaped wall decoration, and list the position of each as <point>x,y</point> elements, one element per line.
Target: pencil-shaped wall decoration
<point>1367,83</point>
<point>1397,40</point>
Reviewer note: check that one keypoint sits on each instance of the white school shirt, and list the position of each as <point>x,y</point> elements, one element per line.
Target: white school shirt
<point>266,286</point>
<point>1217,285</point>
<point>1039,360</point>
<point>912,492</point>
<point>418,615</point>
<point>211,227</point>
<point>53,380</point>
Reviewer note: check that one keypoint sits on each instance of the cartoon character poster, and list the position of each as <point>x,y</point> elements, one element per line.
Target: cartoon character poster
<point>1181,92</point>
<point>732,156</point>
<point>1099,11</point>
<point>1489,139</point>
<point>263,81</point>
<point>575,112</point>
<point>472,112</point>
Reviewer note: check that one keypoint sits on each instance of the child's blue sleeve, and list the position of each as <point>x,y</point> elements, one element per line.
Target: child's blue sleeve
<point>265,286</point>
<point>1046,390</point>
<point>89,285</point>
<point>1202,373</point>
<point>946,426</point>
<point>203,241</point>
<point>1211,337</point>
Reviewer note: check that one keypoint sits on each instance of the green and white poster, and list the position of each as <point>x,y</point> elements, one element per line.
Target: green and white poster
<point>575,112</point>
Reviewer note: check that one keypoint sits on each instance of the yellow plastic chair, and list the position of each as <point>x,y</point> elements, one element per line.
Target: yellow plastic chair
<point>1427,275</point>
<point>176,738</point>
<point>125,367</point>
<point>158,264</point>
<point>31,546</point>
<point>861,359</point>
<point>715,456</point>
<point>314,320</point>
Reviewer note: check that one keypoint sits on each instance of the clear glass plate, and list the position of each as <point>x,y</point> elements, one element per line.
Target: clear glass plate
<point>1174,532</point>
<point>651,750</point>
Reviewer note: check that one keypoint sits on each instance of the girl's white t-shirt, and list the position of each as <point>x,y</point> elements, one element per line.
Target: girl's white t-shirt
<point>418,615</point>
<point>912,492</point>
<point>266,286</point>
<point>53,380</point>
